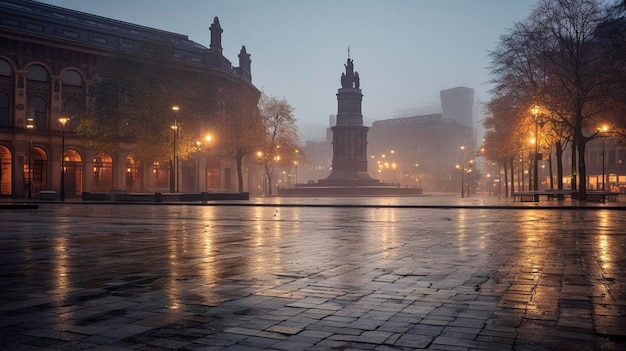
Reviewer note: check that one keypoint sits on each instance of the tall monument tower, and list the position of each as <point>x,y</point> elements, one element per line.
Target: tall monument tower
<point>349,167</point>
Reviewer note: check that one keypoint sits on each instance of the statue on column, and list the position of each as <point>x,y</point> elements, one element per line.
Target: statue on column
<point>350,79</point>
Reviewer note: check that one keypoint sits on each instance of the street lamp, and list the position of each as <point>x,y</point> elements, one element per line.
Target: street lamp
<point>63,121</point>
<point>469,171</point>
<point>175,158</point>
<point>207,139</point>
<point>30,124</point>
<point>603,129</point>
<point>462,167</point>
<point>417,175</point>
<point>296,164</point>
<point>198,144</point>
<point>535,112</point>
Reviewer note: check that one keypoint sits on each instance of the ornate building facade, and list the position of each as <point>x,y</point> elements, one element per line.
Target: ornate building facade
<point>50,58</point>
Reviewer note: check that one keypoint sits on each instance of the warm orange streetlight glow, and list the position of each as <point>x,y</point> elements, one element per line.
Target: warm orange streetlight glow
<point>535,110</point>
<point>63,121</point>
<point>175,108</point>
<point>603,129</point>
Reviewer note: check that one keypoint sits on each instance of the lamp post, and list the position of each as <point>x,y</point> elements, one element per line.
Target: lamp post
<point>469,173</point>
<point>63,121</point>
<point>175,157</point>
<point>521,172</point>
<point>199,148</point>
<point>603,129</point>
<point>535,112</point>
<point>417,175</point>
<point>296,165</point>
<point>30,124</point>
<point>198,144</point>
<point>470,163</point>
<point>462,171</point>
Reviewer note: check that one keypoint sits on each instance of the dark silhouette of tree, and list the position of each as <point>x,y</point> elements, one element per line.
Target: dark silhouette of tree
<point>241,129</point>
<point>132,104</point>
<point>556,60</point>
<point>281,146</point>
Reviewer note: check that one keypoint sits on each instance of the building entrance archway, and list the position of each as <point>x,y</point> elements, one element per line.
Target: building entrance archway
<point>6,176</point>
<point>73,173</point>
<point>102,173</point>
<point>38,172</point>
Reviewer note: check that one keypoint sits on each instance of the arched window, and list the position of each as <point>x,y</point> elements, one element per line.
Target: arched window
<point>6,77</point>
<point>37,109</point>
<point>72,78</point>
<point>72,109</point>
<point>5,69</point>
<point>73,97</point>
<point>37,73</point>
<point>6,177</point>
<point>4,110</point>
<point>39,163</point>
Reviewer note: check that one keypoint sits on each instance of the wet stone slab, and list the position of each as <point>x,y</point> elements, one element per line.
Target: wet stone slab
<point>80,276</point>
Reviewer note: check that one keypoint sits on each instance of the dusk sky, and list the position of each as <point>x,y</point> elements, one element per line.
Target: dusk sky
<point>405,51</point>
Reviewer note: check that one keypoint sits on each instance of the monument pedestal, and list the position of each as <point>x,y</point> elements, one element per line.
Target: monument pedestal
<point>316,190</point>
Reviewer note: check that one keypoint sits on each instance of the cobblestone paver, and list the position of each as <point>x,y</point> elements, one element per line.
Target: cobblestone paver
<point>144,277</point>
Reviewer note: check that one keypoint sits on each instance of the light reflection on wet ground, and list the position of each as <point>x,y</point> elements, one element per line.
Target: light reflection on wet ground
<point>185,277</point>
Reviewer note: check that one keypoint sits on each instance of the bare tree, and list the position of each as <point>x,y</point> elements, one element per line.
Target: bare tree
<point>281,146</point>
<point>241,129</point>
<point>555,60</point>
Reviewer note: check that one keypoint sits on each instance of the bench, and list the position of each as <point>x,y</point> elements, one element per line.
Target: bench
<point>47,195</point>
<point>88,196</point>
<point>526,197</point>
<point>534,196</point>
<point>601,196</point>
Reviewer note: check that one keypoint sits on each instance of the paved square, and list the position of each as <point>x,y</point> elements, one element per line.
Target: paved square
<point>153,277</point>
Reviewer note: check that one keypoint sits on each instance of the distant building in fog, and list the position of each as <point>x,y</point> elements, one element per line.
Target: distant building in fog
<point>424,151</point>
<point>458,104</point>
<point>319,156</point>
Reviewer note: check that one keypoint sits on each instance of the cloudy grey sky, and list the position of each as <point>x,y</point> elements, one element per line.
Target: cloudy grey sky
<point>405,51</point>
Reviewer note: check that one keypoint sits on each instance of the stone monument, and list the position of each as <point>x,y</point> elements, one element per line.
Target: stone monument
<point>349,167</point>
<point>348,176</point>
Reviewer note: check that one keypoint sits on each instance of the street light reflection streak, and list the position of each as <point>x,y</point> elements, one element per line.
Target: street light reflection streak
<point>62,264</point>
<point>208,270</point>
<point>177,244</point>
<point>389,230</point>
<point>603,243</point>
<point>461,229</point>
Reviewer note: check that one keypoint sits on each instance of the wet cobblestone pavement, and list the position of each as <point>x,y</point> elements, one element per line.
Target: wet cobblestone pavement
<point>148,277</point>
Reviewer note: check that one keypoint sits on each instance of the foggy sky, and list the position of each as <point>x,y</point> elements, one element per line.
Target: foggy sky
<point>405,51</point>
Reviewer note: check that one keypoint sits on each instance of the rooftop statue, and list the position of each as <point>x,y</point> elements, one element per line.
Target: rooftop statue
<point>350,79</point>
